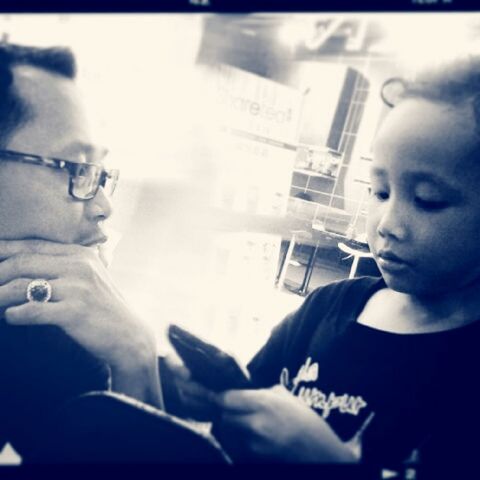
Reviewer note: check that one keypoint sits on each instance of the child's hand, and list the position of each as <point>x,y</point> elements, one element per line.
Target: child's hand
<point>196,401</point>
<point>275,424</point>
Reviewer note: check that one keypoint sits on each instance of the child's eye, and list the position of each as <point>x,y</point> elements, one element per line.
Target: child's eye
<point>381,195</point>
<point>430,204</point>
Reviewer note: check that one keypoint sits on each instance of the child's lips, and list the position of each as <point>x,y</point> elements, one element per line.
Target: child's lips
<point>390,256</point>
<point>387,260</point>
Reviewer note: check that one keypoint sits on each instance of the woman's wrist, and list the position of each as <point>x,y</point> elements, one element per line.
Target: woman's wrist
<point>138,376</point>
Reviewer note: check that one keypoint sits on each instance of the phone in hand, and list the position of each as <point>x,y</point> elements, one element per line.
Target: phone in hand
<point>211,367</point>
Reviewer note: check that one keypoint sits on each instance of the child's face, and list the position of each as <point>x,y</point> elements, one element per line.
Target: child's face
<point>424,212</point>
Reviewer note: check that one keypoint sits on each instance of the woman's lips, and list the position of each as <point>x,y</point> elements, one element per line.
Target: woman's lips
<point>98,240</point>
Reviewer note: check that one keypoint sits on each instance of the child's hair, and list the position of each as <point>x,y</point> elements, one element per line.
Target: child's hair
<point>456,83</point>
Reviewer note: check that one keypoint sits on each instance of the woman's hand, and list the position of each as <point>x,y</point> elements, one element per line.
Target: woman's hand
<point>86,305</point>
<point>275,424</point>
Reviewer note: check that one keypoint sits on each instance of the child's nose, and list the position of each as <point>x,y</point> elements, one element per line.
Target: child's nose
<point>393,221</point>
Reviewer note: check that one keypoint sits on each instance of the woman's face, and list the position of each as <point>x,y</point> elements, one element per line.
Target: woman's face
<point>34,200</point>
<point>424,211</point>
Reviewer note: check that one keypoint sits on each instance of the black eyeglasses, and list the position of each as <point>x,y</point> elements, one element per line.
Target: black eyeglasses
<point>85,178</point>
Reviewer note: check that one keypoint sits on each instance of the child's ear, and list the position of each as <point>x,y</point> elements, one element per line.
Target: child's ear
<point>476,112</point>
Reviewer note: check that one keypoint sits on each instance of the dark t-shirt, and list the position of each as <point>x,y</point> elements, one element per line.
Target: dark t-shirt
<point>40,368</point>
<point>396,392</point>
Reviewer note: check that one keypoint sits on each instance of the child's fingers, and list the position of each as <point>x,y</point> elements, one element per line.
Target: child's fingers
<point>177,368</point>
<point>242,400</point>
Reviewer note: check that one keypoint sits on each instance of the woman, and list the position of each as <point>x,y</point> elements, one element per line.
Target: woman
<point>65,329</point>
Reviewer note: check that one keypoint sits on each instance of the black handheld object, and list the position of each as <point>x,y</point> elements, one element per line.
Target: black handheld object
<point>210,366</point>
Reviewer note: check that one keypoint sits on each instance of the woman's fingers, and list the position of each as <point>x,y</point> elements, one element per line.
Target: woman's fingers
<point>15,291</point>
<point>32,266</point>
<point>79,261</point>
<point>36,313</point>
<point>9,248</point>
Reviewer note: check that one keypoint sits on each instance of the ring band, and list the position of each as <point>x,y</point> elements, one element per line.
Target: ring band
<point>39,290</point>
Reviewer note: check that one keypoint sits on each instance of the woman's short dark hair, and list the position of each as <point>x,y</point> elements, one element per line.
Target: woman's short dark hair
<point>14,111</point>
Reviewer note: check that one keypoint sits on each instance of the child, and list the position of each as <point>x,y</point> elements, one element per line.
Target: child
<point>375,369</point>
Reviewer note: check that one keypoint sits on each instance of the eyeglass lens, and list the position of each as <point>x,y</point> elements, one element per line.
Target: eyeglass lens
<point>88,178</point>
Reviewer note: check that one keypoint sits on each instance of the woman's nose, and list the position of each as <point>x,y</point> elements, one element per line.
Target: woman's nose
<point>100,207</point>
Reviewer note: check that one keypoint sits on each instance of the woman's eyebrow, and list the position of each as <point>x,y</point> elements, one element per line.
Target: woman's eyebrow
<point>95,152</point>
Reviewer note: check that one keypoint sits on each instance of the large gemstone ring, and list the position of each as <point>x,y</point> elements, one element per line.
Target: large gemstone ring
<point>39,291</point>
